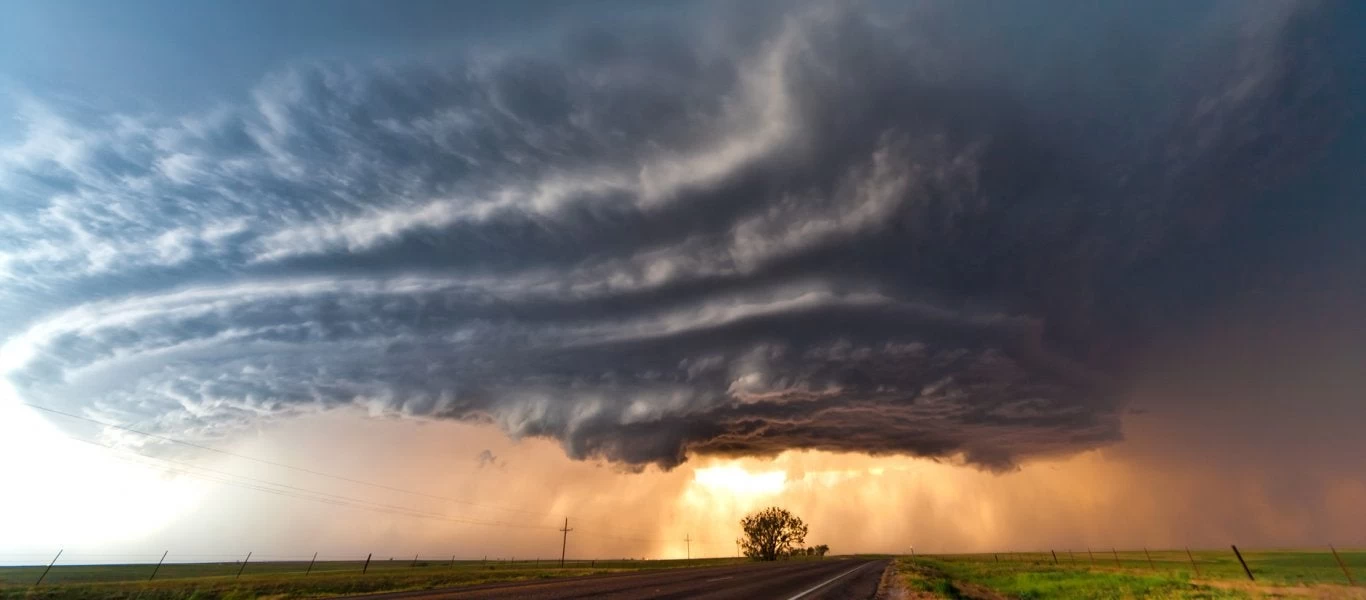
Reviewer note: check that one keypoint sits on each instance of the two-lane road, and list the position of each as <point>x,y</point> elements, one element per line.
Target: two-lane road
<point>829,579</point>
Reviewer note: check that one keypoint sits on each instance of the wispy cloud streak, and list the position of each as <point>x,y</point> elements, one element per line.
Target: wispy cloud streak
<point>847,231</point>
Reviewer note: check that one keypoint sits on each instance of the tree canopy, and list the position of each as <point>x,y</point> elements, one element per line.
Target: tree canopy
<point>770,533</point>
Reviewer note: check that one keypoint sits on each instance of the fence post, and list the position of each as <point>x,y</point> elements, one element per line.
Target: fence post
<point>1343,565</point>
<point>1192,557</point>
<point>158,567</point>
<point>49,568</point>
<point>367,563</point>
<point>1072,556</point>
<point>414,562</point>
<point>997,557</point>
<point>452,560</point>
<point>1244,563</point>
<point>1150,558</point>
<point>1055,556</point>
<point>1092,555</point>
<point>1116,553</point>
<point>310,563</point>
<point>244,566</point>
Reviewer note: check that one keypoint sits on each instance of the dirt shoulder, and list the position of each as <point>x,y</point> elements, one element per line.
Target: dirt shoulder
<point>909,579</point>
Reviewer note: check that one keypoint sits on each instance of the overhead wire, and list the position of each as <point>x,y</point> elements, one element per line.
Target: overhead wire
<point>287,490</point>
<point>325,497</point>
<point>285,466</point>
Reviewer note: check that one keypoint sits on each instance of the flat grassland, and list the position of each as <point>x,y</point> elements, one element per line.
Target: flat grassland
<point>1100,574</point>
<point>217,581</point>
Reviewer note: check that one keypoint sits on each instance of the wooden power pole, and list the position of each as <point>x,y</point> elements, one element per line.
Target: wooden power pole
<point>688,540</point>
<point>564,541</point>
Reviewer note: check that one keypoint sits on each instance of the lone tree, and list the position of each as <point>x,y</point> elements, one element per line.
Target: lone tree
<point>770,533</point>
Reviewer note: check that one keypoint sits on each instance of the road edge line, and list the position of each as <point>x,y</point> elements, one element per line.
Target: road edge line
<point>822,584</point>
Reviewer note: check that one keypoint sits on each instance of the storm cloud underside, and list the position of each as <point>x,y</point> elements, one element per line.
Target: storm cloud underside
<point>838,229</point>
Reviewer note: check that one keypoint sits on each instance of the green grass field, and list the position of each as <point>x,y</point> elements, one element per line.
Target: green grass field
<point>217,581</point>
<point>1158,574</point>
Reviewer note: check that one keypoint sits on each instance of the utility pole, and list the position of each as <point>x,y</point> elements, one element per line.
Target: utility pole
<point>564,541</point>
<point>688,540</point>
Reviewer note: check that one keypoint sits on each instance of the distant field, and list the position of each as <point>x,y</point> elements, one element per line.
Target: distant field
<point>1282,574</point>
<point>216,581</point>
<point>1169,574</point>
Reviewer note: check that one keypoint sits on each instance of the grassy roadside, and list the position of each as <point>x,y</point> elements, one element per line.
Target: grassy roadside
<point>283,581</point>
<point>282,586</point>
<point>921,579</point>
<point>935,578</point>
<point>1283,575</point>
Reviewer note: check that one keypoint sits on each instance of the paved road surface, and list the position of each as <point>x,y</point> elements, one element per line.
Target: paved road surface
<point>805,580</point>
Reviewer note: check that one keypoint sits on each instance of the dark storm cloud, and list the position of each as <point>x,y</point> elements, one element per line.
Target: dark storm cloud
<point>924,231</point>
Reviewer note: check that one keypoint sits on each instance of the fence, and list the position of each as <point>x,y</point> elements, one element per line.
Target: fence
<point>93,568</point>
<point>1326,565</point>
<point>1286,566</point>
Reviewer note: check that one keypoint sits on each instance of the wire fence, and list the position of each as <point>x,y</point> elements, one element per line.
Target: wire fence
<point>1329,564</point>
<point>101,568</point>
<point>1292,566</point>
<point>31,569</point>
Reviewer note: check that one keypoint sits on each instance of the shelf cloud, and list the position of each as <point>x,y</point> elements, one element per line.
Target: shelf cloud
<point>927,230</point>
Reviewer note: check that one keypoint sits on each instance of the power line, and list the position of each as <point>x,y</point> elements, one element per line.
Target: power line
<point>280,489</point>
<point>647,540</point>
<point>283,465</point>
<point>317,496</point>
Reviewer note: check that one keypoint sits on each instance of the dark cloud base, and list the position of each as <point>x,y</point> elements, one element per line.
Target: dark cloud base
<point>923,231</point>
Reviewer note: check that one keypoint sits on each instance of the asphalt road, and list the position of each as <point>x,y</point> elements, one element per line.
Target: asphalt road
<point>803,580</point>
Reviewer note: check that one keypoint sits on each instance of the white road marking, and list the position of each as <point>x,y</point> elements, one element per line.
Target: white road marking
<point>827,582</point>
<point>721,578</point>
